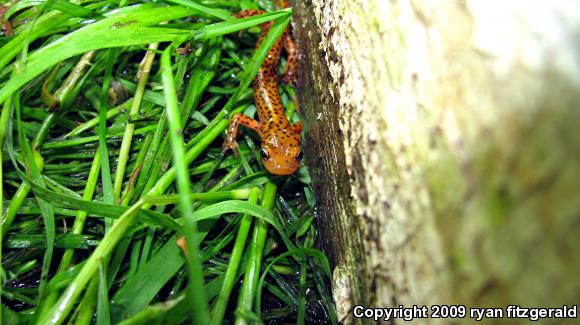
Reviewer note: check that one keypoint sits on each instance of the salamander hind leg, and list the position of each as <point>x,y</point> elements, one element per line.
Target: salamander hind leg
<point>291,70</point>
<point>298,127</point>
<point>249,13</point>
<point>238,119</point>
<point>5,24</point>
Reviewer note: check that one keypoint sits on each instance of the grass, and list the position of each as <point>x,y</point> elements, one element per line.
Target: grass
<point>113,115</point>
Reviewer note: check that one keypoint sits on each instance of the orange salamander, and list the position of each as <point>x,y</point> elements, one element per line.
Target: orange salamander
<point>5,23</point>
<point>280,149</point>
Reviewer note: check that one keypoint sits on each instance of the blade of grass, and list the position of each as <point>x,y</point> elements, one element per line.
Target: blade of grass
<point>81,214</point>
<point>24,188</point>
<point>219,13</point>
<point>302,252</point>
<point>138,292</point>
<point>6,109</point>
<point>114,211</point>
<point>63,95</point>
<point>198,82</point>
<point>226,27</point>
<point>72,9</point>
<point>14,206</point>
<point>129,190</point>
<point>201,77</point>
<point>145,253</point>
<point>248,290</point>
<point>48,24</point>
<point>22,241</point>
<point>196,293</point>
<point>62,308</point>
<point>302,295</point>
<point>136,289</point>
<point>103,315</point>
<point>142,77</point>
<point>240,194</point>
<point>44,128</point>
<point>99,208</point>
<point>231,273</point>
<point>115,31</point>
<point>106,182</point>
<point>34,164</point>
<point>152,161</point>
<point>170,312</point>
<point>95,121</point>
<point>85,310</point>
<point>79,141</point>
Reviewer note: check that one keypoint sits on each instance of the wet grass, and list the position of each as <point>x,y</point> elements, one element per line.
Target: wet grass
<point>113,114</point>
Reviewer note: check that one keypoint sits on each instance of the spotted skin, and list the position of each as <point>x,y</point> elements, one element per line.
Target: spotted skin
<point>280,149</point>
<point>5,24</point>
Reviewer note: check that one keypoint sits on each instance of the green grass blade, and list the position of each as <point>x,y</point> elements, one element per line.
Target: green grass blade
<point>81,214</point>
<point>196,290</point>
<point>73,241</point>
<point>219,13</point>
<point>107,184</point>
<point>98,208</point>
<point>34,164</point>
<point>103,314</point>
<point>60,311</point>
<point>248,290</point>
<point>115,31</point>
<point>139,290</point>
<point>231,26</point>
<point>137,293</point>
<point>301,252</point>
<point>231,275</point>
<point>143,77</point>
<point>66,7</point>
<point>85,311</point>
<point>236,206</point>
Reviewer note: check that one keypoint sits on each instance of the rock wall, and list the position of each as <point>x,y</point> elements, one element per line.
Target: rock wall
<point>444,145</point>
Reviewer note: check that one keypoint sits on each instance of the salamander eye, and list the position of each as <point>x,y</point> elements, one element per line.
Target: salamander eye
<point>299,156</point>
<point>264,153</point>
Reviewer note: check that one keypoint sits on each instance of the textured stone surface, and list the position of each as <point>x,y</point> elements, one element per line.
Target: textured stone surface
<point>443,139</point>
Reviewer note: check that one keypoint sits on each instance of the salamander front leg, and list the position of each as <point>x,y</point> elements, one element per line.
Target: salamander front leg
<point>230,143</point>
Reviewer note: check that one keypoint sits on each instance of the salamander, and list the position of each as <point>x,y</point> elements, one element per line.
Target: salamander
<point>280,148</point>
<point>5,24</point>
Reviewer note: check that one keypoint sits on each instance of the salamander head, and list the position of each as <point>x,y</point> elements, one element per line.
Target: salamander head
<point>281,154</point>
